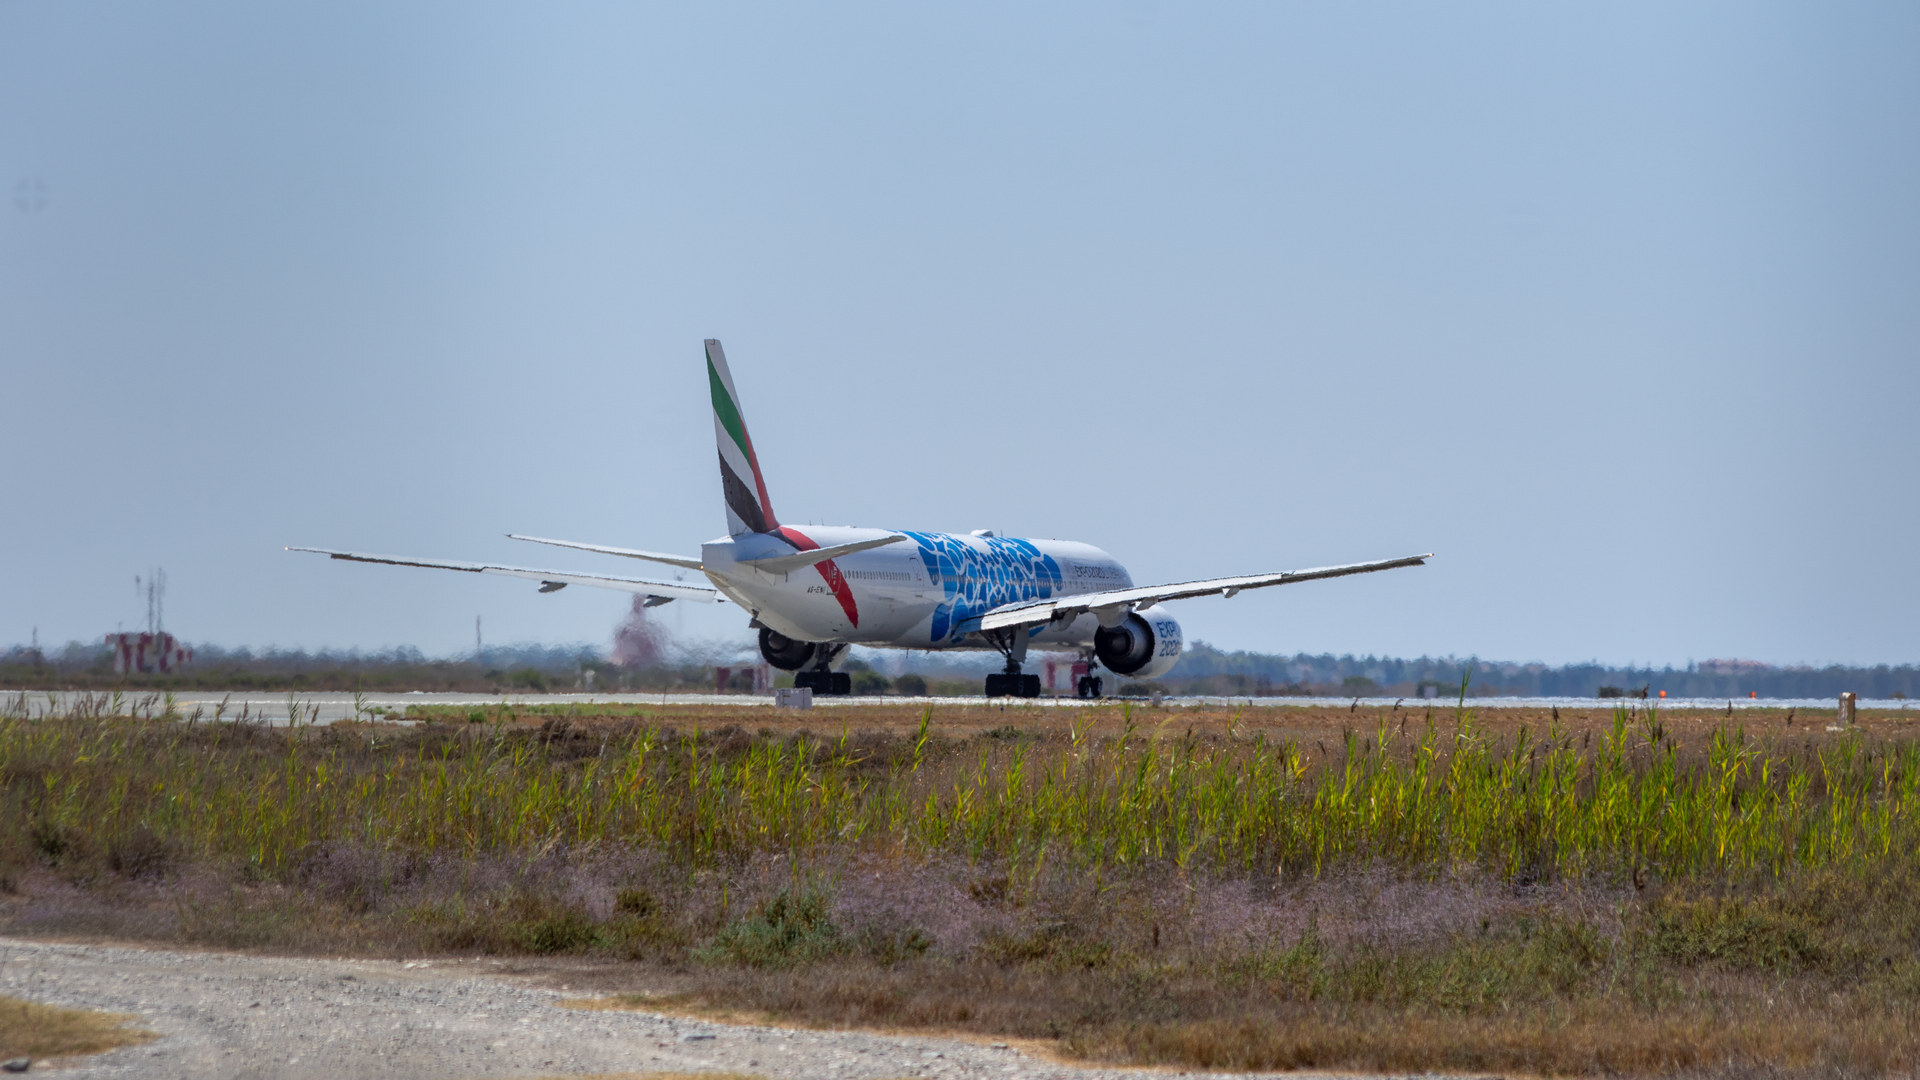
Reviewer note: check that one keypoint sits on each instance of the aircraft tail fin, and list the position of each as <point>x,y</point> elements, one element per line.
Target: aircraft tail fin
<point>748,508</point>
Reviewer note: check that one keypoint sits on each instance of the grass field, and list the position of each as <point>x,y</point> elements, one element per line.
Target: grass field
<point>1628,892</point>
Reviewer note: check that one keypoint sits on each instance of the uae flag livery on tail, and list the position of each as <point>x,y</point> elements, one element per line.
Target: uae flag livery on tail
<point>748,509</point>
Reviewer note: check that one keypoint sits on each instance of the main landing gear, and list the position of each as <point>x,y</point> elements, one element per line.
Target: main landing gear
<point>1012,643</point>
<point>824,683</point>
<point>1012,684</point>
<point>820,678</point>
<point>810,662</point>
<point>1088,685</point>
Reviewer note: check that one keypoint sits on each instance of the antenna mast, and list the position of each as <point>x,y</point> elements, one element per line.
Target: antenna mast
<point>154,587</point>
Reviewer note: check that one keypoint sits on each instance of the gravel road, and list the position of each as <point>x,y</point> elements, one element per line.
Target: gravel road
<point>227,1015</point>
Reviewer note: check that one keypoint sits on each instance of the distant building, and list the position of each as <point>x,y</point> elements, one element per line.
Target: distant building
<point>147,654</point>
<point>754,678</point>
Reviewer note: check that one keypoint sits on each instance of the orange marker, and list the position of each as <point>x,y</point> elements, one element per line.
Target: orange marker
<point>1663,693</point>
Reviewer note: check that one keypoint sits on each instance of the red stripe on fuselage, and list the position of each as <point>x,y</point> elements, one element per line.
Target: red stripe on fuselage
<point>836,581</point>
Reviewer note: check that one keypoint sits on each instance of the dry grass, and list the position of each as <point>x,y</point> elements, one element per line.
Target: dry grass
<point>1638,794</point>
<point>29,1029</point>
<point>1689,728</point>
<point>1590,1041</point>
<point>1195,888</point>
<point>1736,1027</point>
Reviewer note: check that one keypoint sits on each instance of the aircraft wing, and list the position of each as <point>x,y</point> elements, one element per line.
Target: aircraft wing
<point>1120,600</point>
<point>658,592</point>
<point>630,553</point>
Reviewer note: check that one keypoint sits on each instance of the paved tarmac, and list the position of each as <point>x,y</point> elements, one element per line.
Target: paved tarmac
<point>274,707</point>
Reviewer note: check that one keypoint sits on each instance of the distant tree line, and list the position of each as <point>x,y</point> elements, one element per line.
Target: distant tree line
<point>1205,669</point>
<point>690,666</point>
<point>493,669</point>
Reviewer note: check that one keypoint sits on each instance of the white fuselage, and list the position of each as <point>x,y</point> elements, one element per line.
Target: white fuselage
<point>918,593</point>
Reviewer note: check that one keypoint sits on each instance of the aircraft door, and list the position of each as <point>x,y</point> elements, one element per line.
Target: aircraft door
<point>925,587</point>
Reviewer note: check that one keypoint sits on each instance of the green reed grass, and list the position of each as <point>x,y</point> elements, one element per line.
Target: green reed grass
<point>1524,807</point>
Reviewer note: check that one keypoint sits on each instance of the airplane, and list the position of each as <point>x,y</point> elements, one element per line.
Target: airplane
<point>812,592</point>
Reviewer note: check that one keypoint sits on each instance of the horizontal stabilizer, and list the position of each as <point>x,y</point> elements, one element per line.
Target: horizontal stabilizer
<point>1117,600</point>
<point>786,564</point>
<point>681,561</point>
<point>659,590</point>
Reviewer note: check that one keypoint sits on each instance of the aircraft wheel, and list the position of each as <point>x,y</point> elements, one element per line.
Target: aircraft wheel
<point>824,683</point>
<point>997,684</point>
<point>1029,685</point>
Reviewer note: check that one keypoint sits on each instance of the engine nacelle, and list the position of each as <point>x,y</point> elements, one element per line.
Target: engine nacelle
<point>1145,645</point>
<point>783,652</point>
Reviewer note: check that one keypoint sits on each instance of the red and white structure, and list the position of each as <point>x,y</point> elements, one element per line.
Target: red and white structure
<point>1062,673</point>
<point>147,654</point>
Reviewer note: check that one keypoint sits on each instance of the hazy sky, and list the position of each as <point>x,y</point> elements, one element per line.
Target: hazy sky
<point>1615,309</point>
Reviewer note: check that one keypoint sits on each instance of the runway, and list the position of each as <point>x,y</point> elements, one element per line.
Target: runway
<point>275,708</point>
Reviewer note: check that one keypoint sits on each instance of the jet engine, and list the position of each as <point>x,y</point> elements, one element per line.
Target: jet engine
<point>1144,645</point>
<point>783,652</point>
